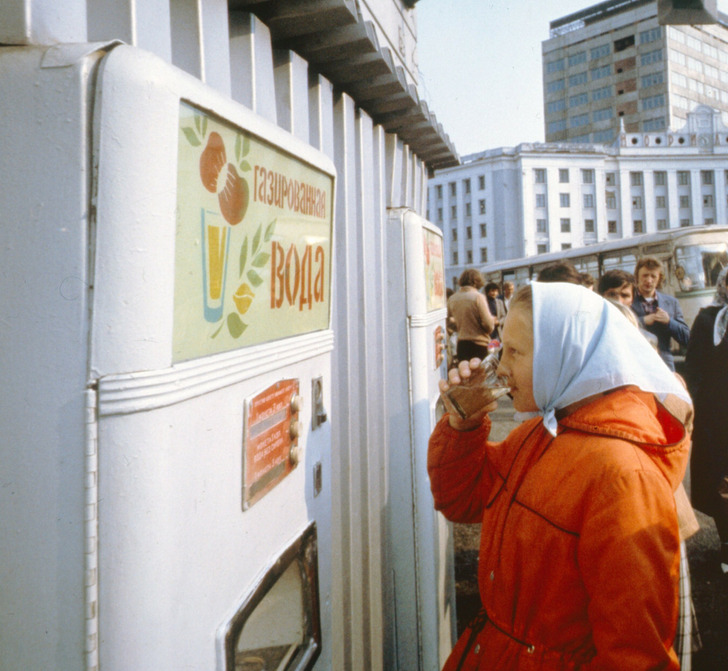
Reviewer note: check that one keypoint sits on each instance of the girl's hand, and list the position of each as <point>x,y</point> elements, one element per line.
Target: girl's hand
<point>455,377</point>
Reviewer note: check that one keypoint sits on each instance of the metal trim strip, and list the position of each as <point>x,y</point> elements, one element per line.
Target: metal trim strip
<point>127,393</point>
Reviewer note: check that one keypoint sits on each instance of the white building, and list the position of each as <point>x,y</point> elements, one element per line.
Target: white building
<point>511,202</point>
<point>614,62</point>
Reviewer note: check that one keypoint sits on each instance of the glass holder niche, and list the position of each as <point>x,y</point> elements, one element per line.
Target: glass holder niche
<point>278,626</point>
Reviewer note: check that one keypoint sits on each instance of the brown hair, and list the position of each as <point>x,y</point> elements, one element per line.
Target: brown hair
<point>614,279</point>
<point>471,278</point>
<point>560,271</point>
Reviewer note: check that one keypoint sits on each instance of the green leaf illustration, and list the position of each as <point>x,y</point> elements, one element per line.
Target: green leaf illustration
<point>238,148</point>
<point>204,126</point>
<point>236,326</point>
<point>243,255</point>
<point>191,137</point>
<point>256,239</point>
<point>198,123</point>
<point>255,279</point>
<point>269,230</point>
<point>261,259</point>
<point>246,145</point>
<point>219,328</point>
<point>245,166</point>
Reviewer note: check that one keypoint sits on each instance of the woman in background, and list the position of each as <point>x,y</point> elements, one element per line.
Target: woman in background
<point>471,317</point>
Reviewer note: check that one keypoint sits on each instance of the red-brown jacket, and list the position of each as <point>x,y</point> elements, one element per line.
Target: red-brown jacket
<point>579,550</point>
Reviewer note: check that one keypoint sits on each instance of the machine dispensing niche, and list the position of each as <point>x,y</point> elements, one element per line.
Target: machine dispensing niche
<point>252,243</point>
<point>278,626</point>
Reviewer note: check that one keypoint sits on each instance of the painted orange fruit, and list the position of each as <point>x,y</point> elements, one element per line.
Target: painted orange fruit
<point>234,197</point>
<point>212,162</point>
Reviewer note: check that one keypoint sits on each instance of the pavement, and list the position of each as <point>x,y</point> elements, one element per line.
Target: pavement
<point>709,584</point>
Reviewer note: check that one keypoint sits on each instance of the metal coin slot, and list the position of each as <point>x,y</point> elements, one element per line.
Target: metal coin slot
<point>318,416</point>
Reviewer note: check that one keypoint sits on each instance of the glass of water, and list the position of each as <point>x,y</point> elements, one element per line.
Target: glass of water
<point>482,387</point>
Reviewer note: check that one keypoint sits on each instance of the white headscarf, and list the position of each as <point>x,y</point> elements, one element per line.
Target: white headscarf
<point>584,346</point>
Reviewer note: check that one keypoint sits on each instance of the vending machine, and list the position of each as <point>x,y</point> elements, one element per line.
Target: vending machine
<point>421,539</point>
<point>166,350</point>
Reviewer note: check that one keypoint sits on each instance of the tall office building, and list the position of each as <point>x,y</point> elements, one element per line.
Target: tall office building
<point>613,63</point>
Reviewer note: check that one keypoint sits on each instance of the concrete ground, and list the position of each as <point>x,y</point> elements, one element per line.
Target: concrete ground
<point>710,586</point>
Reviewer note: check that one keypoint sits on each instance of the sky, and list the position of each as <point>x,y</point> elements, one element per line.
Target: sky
<point>480,67</point>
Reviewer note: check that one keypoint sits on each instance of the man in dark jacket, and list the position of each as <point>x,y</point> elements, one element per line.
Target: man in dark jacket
<point>658,313</point>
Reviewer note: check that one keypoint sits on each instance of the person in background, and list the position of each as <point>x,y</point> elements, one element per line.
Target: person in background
<point>586,280</point>
<point>508,290</point>
<point>497,308</point>
<point>473,321</point>
<point>560,271</point>
<point>706,373</point>
<point>579,550</point>
<point>617,285</point>
<point>658,313</point>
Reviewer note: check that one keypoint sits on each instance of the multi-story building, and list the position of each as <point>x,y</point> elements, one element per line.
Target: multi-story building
<point>613,62</point>
<point>512,202</point>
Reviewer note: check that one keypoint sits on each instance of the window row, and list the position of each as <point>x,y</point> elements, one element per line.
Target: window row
<point>649,57</point>
<point>469,256</point>
<point>468,210</point>
<point>696,65</point>
<point>469,232</point>
<point>638,227</point>
<point>577,58</point>
<point>685,82</point>
<point>679,36</point>
<point>652,102</point>
<point>466,186</point>
<point>587,175</point>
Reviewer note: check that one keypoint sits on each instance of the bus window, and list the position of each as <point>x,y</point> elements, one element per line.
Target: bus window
<point>697,267</point>
<point>521,277</point>
<point>622,261</point>
<point>587,264</point>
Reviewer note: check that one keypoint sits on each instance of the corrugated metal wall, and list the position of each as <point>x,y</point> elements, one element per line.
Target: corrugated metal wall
<point>376,170</point>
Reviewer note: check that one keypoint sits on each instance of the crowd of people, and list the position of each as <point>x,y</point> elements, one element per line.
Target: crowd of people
<point>582,561</point>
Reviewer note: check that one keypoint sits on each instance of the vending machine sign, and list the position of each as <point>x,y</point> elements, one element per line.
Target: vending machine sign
<point>434,270</point>
<point>253,240</point>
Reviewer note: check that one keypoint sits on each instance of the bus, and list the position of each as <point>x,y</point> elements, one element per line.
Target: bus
<point>692,257</point>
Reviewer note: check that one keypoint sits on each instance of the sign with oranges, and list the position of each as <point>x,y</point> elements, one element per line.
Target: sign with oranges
<point>253,240</point>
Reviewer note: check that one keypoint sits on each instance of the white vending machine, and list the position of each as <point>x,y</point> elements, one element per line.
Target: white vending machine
<point>165,480</point>
<point>422,580</point>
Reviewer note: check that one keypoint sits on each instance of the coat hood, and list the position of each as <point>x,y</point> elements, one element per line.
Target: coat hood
<point>661,429</point>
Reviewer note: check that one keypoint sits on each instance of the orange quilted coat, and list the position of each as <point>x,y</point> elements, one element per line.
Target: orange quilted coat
<point>579,550</point>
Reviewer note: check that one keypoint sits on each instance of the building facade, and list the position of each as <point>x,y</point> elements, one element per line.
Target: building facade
<point>613,62</point>
<point>531,199</point>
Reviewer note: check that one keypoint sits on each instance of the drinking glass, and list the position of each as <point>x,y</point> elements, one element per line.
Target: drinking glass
<point>482,387</point>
